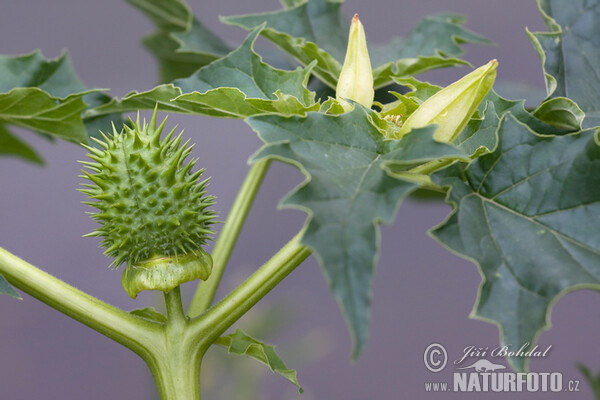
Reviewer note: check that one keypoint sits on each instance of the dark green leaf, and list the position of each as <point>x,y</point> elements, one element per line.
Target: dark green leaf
<point>347,192</point>
<point>479,136</point>
<point>570,53</point>
<point>12,146</point>
<point>529,215</point>
<point>182,44</point>
<point>407,67</point>
<point>237,86</point>
<point>433,43</point>
<point>151,314</point>
<point>549,112</point>
<point>561,113</point>
<point>166,14</point>
<point>291,3</point>
<point>433,35</point>
<point>199,40</point>
<point>7,289</point>
<point>318,21</point>
<point>241,344</point>
<point>317,30</point>
<point>297,31</point>
<point>55,77</point>
<point>45,96</point>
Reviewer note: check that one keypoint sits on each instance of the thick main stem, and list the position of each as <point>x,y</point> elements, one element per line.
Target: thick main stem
<point>176,368</point>
<point>206,291</point>
<point>172,355</point>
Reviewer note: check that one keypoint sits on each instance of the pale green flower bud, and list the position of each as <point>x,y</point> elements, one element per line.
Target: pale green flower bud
<point>356,79</point>
<point>452,107</point>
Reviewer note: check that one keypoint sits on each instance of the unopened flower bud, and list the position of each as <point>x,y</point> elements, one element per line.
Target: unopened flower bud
<point>356,79</point>
<point>452,107</point>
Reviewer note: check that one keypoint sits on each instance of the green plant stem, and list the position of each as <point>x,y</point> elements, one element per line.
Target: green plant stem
<point>206,291</point>
<point>430,167</point>
<point>175,314</point>
<point>135,333</point>
<point>214,322</point>
<point>176,368</point>
<point>173,351</point>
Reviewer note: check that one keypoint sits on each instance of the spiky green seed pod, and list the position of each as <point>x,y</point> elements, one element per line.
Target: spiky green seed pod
<point>153,211</point>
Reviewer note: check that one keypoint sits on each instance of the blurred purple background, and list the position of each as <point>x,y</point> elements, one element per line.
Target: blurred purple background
<point>422,294</point>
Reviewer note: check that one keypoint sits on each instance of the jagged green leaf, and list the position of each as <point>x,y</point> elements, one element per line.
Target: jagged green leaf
<point>291,3</point>
<point>553,117</point>
<point>35,109</point>
<point>561,113</point>
<point>347,192</point>
<point>309,31</point>
<point>406,67</point>
<point>570,53</point>
<point>241,344</point>
<point>479,136</point>
<point>55,77</point>
<point>165,96</point>
<point>10,145</point>
<point>236,86</point>
<point>181,44</point>
<point>439,34</point>
<point>150,314</point>
<point>548,118</point>
<point>433,43</point>
<point>318,30</point>
<point>166,14</point>
<point>45,96</point>
<point>529,215</point>
<point>202,42</point>
<point>7,289</point>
